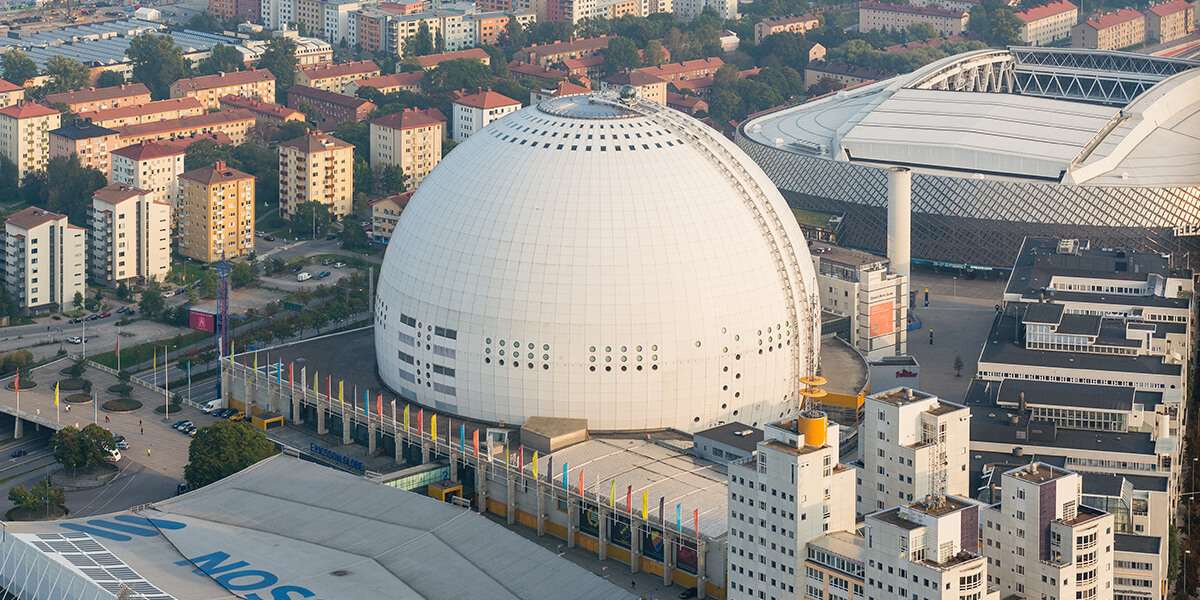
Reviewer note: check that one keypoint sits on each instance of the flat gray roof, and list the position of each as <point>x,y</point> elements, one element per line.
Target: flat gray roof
<point>330,533</point>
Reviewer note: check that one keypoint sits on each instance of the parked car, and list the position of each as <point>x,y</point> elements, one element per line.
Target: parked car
<point>105,314</point>
<point>297,268</point>
<point>19,453</point>
<point>75,340</point>
<point>303,276</point>
<point>118,438</point>
<point>190,429</point>
<point>182,488</point>
<point>182,424</point>
<point>258,234</point>
<point>268,238</point>
<point>689,593</point>
<point>76,320</point>
<point>323,274</point>
<point>114,455</point>
<point>122,445</point>
<point>176,424</point>
<point>327,262</point>
<point>92,317</point>
<point>338,265</point>
<point>331,237</point>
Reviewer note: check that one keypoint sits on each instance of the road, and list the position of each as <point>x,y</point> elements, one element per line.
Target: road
<point>45,337</point>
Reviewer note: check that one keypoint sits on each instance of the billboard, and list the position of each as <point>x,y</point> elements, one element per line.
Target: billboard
<point>882,318</point>
<point>202,321</point>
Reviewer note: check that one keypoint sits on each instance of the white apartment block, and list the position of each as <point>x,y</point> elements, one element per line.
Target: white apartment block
<point>476,111</point>
<point>912,445</point>
<point>927,550</point>
<point>1048,22</point>
<point>690,9</point>
<point>834,567</point>
<point>152,167</point>
<point>1041,542</point>
<point>337,17</point>
<point>792,491</point>
<point>45,260</point>
<point>25,135</point>
<point>316,168</point>
<point>860,286</point>
<point>278,14</point>
<point>130,236</point>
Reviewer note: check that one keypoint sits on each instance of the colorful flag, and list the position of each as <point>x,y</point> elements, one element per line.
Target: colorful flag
<point>506,466</point>
<point>565,469</point>
<point>661,515</point>
<point>291,374</point>
<point>17,382</point>
<point>679,518</point>
<point>433,428</point>
<point>379,408</point>
<point>475,442</point>
<point>629,499</point>
<point>462,438</point>
<point>535,475</point>
<point>56,394</point>
<point>645,498</point>
<point>406,418</point>
<point>521,457</point>
<point>612,494</point>
<point>366,402</point>
<point>118,349</point>
<point>341,393</point>
<point>154,361</point>
<point>278,372</point>
<point>256,360</point>
<point>696,520</point>
<point>420,423</point>
<point>581,481</point>
<point>549,468</point>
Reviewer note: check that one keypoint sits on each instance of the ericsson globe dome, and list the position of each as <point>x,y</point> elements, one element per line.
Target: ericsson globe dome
<point>603,258</point>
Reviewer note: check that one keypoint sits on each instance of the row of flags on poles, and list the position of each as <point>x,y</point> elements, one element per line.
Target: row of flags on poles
<point>406,425</point>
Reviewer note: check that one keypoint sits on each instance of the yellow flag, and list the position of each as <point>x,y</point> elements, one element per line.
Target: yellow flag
<point>56,394</point>
<point>406,417</point>
<point>433,428</point>
<point>612,494</point>
<point>644,498</point>
<point>316,382</point>
<point>255,361</point>
<point>535,464</point>
<point>154,362</point>
<point>340,390</point>
<point>505,456</point>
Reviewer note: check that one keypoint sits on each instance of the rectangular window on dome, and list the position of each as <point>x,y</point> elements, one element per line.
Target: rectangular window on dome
<point>408,358</point>
<point>409,377</point>
<point>444,351</point>
<point>440,370</point>
<point>450,334</point>
<point>444,389</point>
<point>407,339</point>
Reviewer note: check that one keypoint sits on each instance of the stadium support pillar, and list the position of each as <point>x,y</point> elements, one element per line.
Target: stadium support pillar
<point>424,452</point>
<point>399,450</point>
<point>273,391</point>
<point>346,437</point>
<point>371,445</point>
<point>510,486</point>
<point>541,509</point>
<point>572,522</point>
<point>701,571</point>
<point>322,429</point>
<point>19,428</point>
<point>481,485</point>
<point>453,465</point>
<point>603,534</point>
<point>297,409</point>
<point>668,556</point>
<point>249,397</point>
<point>635,545</point>
<point>226,376</point>
<point>899,237</point>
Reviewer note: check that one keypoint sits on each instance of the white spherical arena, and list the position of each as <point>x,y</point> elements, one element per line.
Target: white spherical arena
<point>598,258</point>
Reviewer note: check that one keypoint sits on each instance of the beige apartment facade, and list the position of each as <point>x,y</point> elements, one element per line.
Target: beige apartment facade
<point>795,24</point>
<point>209,89</point>
<point>216,213</point>
<point>10,93</point>
<point>385,213</point>
<point>1112,31</point>
<point>1048,22</point>
<point>881,16</point>
<point>44,266</point>
<point>411,139</point>
<point>129,94</point>
<point>335,78</point>
<point>316,168</point>
<point>90,143</point>
<point>130,236</point>
<point>25,136</point>
<point>152,167</point>
<point>149,112</point>
<point>1170,20</point>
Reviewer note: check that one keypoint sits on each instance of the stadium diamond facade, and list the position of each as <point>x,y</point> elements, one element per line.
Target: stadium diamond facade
<point>1003,144</point>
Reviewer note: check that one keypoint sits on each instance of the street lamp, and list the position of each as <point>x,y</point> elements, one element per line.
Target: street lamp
<point>1186,593</point>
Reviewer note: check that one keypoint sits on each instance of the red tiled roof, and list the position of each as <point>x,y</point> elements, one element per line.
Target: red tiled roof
<point>523,69</point>
<point>27,110</point>
<point>334,98</point>
<point>434,59</point>
<point>698,83</point>
<point>486,99</point>
<point>7,86</point>
<point>410,118</point>
<point>564,88</point>
<point>1035,13</point>
<point>401,199</point>
<point>681,100</point>
<point>320,142</point>
<point>96,94</point>
<point>32,217</point>
<point>1170,8</point>
<point>350,68</point>
<point>927,10</point>
<point>146,151</point>
<point>1115,18</point>
<point>182,144</point>
<point>149,108</point>
<point>579,45</point>
<point>224,79</point>
<point>669,70</point>
<point>258,106</point>
<point>399,79</point>
<point>210,119</point>
<point>215,173</point>
<point>116,193</point>
<point>634,78</point>
<point>583,63</point>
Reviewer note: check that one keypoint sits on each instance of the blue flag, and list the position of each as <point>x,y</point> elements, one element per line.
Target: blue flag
<point>462,438</point>
<point>366,401</point>
<point>565,474</point>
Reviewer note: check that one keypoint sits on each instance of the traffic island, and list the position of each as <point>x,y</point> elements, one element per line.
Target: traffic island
<point>79,399</point>
<point>84,480</point>
<point>28,384</point>
<point>121,405</point>
<point>175,409</point>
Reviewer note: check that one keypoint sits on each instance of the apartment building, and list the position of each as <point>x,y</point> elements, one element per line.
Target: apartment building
<point>130,235</point>
<point>388,84</point>
<point>316,168</point>
<point>402,28</point>
<point>1042,542</point>
<point>45,260</point>
<point>151,167</point>
<point>91,143</point>
<point>25,136</point>
<point>1111,31</point>
<point>686,70</point>
<point>475,111</point>
<point>233,123</point>
<point>209,89</point>
<point>549,54</point>
<point>543,74</point>
<point>412,139</point>
<point>912,445</point>
<point>82,101</point>
<point>790,492</point>
<point>10,93</point>
<point>793,23</point>
<point>875,15</point>
<point>690,9</point>
<point>1170,20</point>
<point>216,213</point>
<point>835,567</point>
<point>645,86</point>
<point>561,88</point>
<point>149,112</point>
<point>265,113</point>
<point>490,25</point>
<point>369,28</point>
<point>385,213</point>
<point>861,287</point>
<point>847,75</point>
<point>335,108</point>
<point>432,60</point>
<point>927,550</point>
<point>1047,22</point>
<point>335,78</point>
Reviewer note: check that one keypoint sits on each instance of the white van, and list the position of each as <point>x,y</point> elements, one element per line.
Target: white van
<point>304,277</point>
<point>214,405</point>
<point>113,456</point>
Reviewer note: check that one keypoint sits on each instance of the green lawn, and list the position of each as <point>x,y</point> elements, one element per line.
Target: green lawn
<point>145,352</point>
<point>186,272</point>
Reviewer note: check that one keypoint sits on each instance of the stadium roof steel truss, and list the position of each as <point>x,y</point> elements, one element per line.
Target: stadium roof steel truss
<point>1112,88</point>
<point>1101,60</point>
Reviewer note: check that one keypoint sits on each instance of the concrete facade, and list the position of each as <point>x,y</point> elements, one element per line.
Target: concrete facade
<point>130,236</point>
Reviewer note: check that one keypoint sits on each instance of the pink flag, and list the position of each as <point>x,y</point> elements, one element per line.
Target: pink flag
<point>291,373</point>
<point>475,441</point>
<point>420,423</point>
<point>581,481</point>
<point>379,406</point>
<point>696,521</point>
<point>629,499</point>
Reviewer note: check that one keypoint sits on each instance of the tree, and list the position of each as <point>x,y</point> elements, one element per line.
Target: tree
<point>209,285</point>
<point>391,179</point>
<point>280,59</point>
<point>354,237</point>
<point>621,56</point>
<point>312,113</point>
<point>82,448</point>
<point>10,187</point>
<point>222,449</point>
<point>458,74</point>
<point>244,273</point>
<point>791,50</point>
<point>514,35</point>
<point>77,301</point>
<point>420,43</point>
<point>77,368</point>
<point>203,21</point>
<point>18,68</point>
<point>224,59</point>
<point>152,302</point>
<point>123,292</point>
<point>66,75</point>
<point>922,30</point>
<point>37,498</point>
<point>653,54</point>
<point>1004,29</point>
<point>958,366</point>
<point>311,217</point>
<point>157,62</point>
<point>110,79</point>
<point>64,187</point>
<point>292,130</point>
